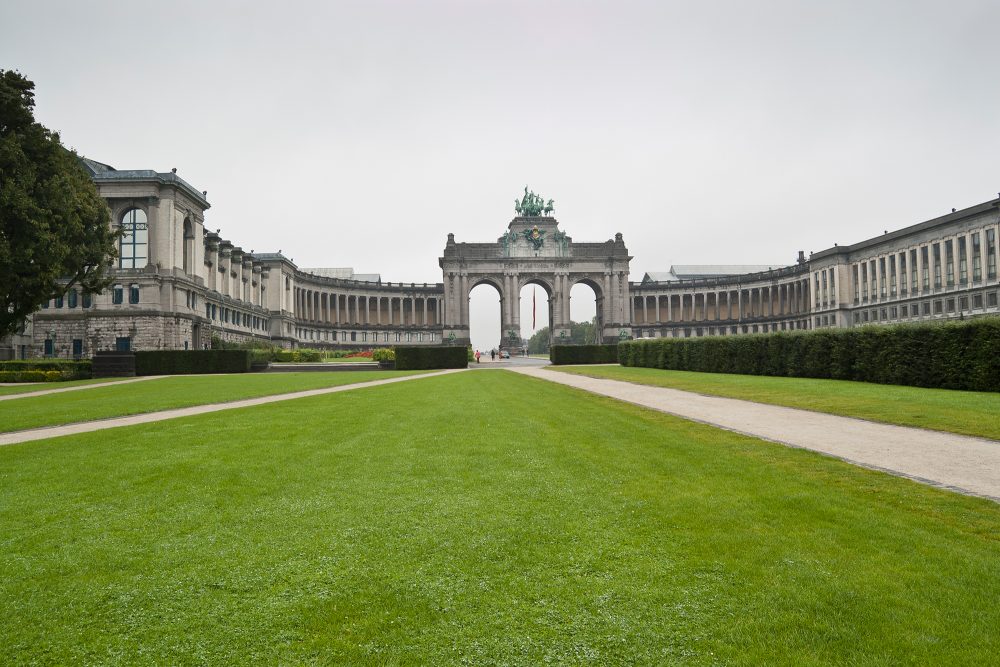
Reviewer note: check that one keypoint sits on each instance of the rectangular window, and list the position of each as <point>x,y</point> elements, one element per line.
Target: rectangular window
<point>938,307</point>
<point>892,275</point>
<point>824,288</point>
<point>913,271</point>
<point>874,275</point>
<point>925,277</point>
<point>991,254</point>
<point>77,348</point>
<point>133,294</point>
<point>904,311</point>
<point>857,287</point>
<point>123,344</point>
<point>937,265</point>
<point>864,281</point>
<point>882,315</point>
<point>117,294</point>
<point>88,300</point>
<point>925,307</point>
<point>49,347</point>
<point>977,258</point>
<point>881,276</point>
<point>963,303</point>
<point>893,313</point>
<point>977,300</point>
<point>865,315</point>
<point>71,298</point>
<point>59,302</point>
<point>950,303</point>
<point>963,262</point>
<point>991,299</point>
<point>902,273</point>
<point>949,267</point>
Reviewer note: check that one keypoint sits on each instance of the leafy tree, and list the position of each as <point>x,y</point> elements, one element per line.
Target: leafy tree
<point>54,231</point>
<point>581,333</point>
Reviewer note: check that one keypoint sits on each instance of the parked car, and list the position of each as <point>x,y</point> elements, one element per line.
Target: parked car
<point>504,354</point>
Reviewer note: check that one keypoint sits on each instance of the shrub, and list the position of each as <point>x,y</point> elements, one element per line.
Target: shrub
<point>952,355</point>
<point>68,369</point>
<point>429,357</point>
<point>22,376</point>
<point>584,354</point>
<point>183,362</point>
<point>384,354</point>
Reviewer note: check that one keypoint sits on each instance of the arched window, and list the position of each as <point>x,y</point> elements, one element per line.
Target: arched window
<point>188,245</point>
<point>134,241</point>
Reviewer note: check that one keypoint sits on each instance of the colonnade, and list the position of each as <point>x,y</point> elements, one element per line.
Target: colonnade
<point>341,309</point>
<point>785,300</point>
<point>953,261</point>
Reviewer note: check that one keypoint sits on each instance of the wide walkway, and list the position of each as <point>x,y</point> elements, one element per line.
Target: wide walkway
<point>956,462</point>
<point>131,420</point>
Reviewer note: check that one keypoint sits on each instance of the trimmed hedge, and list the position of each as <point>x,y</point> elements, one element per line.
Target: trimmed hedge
<point>183,362</point>
<point>951,355</point>
<point>584,354</point>
<point>426,357</point>
<point>33,376</point>
<point>44,370</point>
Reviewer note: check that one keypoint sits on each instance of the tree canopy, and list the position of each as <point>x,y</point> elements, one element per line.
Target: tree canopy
<point>581,333</point>
<point>54,231</point>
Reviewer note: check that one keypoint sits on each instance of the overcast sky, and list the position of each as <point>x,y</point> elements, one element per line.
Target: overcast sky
<point>360,134</point>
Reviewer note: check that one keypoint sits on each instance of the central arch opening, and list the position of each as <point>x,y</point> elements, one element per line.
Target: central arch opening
<point>536,315</point>
<point>484,317</point>
<point>586,326</point>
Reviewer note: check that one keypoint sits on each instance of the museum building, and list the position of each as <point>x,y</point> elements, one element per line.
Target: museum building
<point>177,284</point>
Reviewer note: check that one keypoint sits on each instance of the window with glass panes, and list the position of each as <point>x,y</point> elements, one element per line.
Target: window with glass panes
<point>963,262</point>
<point>134,241</point>
<point>991,253</point>
<point>977,257</point>
<point>949,263</point>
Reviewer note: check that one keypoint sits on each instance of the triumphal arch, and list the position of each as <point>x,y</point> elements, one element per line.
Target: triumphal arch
<point>534,250</point>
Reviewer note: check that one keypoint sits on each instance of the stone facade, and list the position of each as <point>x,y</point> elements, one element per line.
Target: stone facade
<point>535,251</point>
<point>178,285</point>
<point>944,268</point>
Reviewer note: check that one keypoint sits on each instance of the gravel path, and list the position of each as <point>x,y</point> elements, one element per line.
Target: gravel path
<point>960,463</point>
<point>97,425</point>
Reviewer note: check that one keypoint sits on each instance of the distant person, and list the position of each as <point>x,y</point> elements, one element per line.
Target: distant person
<point>493,354</point>
<point>477,356</point>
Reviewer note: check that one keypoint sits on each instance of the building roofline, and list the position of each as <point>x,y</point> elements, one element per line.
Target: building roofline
<point>955,216</point>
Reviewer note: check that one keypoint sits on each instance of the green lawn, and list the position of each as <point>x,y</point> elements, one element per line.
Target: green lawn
<point>28,387</point>
<point>965,412</point>
<point>480,518</point>
<point>165,393</point>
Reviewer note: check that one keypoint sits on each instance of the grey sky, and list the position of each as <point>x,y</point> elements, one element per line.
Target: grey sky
<point>361,134</point>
